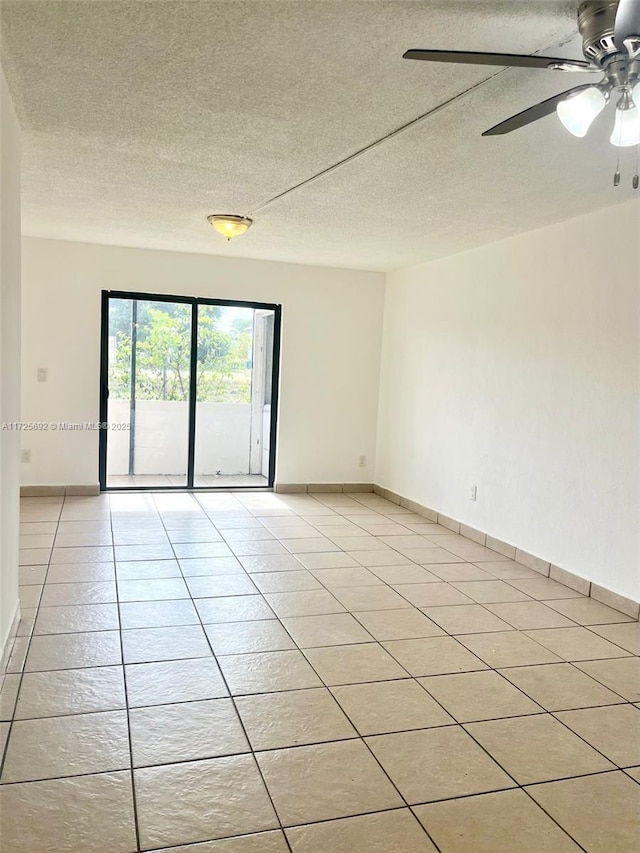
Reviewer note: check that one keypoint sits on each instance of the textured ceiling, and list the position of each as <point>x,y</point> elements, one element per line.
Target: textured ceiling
<point>140,118</point>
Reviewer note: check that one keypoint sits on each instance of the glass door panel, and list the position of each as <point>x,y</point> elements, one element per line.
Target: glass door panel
<point>228,437</point>
<point>149,357</point>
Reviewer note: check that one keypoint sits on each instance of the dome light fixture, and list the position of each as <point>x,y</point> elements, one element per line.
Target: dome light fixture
<point>229,225</point>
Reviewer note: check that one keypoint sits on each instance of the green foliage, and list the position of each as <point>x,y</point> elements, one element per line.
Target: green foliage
<point>163,351</point>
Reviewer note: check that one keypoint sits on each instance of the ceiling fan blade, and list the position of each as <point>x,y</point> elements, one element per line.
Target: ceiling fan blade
<point>532,114</point>
<point>627,23</point>
<point>508,60</point>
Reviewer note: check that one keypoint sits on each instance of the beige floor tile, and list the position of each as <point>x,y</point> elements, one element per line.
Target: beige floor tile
<point>620,675</point>
<point>576,644</point>
<point>601,812</point>
<point>285,581</point>
<point>465,619</point>
<point>213,586</point>
<point>405,624</point>
<point>384,832</point>
<point>544,589</point>
<point>92,814</point>
<point>262,842</point>
<point>231,638</point>
<point>472,696</point>
<point>311,545</point>
<point>347,577</point>
<point>152,590</point>
<point>76,618</point>
<point>143,645</point>
<point>626,635</point>
<point>267,672</point>
<point>73,691</point>
<point>433,656</point>
<point>314,783</point>
<point>431,556</point>
<point>257,548</point>
<point>525,615</point>
<point>17,657</point>
<point>362,542</point>
<point>272,563</point>
<point>370,559</point>
<point>634,772</point>
<point>174,681</point>
<point>166,734</point>
<point>560,686</point>
<point>158,614</point>
<point>80,572</point>
<point>507,570</point>
<point>503,822</point>
<point>431,594</point>
<point>408,540</point>
<point>218,797</point>
<point>435,764</point>
<point>98,554</point>
<point>614,731</point>
<point>67,746</point>
<point>295,718</point>
<point>587,611</point>
<point>490,591</point>
<point>335,560</point>
<point>141,570</point>
<point>9,695</point>
<point>199,566</point>
<point>390,706</point>
<point>336,629</point>
<point>508,648</point>
<point>354,664</point>
<point>468,550</point>
<point>189,550</point>
<point>537,749</point>
<point>359,598</point>
<point>235,608</point>
<point>404,574</point>
<point>30,595</point>
<point>313,602</point>
<point>460,572</point>
<point>35,556</point>
<point>69,651</point>
<point>28,575</point>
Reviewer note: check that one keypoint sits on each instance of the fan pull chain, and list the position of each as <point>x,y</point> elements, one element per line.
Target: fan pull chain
<point>616,176</point>
<point>636,177</point>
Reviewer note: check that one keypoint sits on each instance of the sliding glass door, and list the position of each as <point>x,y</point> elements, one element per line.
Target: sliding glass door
<point>189,392</point>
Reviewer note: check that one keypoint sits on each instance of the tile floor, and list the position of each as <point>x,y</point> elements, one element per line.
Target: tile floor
<point>257,673</point>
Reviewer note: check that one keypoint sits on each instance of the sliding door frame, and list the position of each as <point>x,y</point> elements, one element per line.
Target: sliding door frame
<point>194,302</point>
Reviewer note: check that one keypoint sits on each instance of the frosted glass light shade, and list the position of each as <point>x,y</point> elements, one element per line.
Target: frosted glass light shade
<point>626,131</point>
<point>578,111</point>
<point>228,225</point>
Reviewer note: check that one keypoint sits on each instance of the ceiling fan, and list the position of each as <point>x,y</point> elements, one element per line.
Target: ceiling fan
<point>610,31</point>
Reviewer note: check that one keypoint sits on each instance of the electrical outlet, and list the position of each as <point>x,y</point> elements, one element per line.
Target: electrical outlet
<point>42,374</point>
<point>473,493</point>
<point>25,456</point>
<point>362,461</point>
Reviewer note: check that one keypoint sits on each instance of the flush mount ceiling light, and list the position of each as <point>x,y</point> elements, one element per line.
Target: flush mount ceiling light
<point>228,225</point>
<point>610,31</point>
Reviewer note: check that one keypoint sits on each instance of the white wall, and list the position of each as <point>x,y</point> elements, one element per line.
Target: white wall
<point>331,336</point>
<point>9,359</point>
<point>514,367</point>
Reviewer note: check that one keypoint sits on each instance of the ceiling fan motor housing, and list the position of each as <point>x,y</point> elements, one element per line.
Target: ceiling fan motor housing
<point>596,21</point>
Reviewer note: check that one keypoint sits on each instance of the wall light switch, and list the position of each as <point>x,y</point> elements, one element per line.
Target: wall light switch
<point>42,374</point>
<point>473,493</point>
<point>25,456</point>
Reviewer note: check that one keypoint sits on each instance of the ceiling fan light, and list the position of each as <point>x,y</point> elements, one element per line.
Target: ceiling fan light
<point>228,225</point>
<point>626,131</point>
<point>578,112</point>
